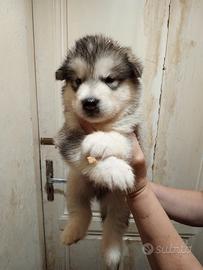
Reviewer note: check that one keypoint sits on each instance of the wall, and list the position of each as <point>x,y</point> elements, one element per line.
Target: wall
<point>21,233</point>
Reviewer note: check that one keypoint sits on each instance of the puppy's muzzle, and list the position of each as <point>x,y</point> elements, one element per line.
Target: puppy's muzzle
<point>90,105</point>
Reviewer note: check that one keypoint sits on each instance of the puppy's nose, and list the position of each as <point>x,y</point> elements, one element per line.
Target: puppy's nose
<point>90,104</point>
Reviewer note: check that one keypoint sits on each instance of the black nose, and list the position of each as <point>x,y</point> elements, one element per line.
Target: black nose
<point>90,104</point>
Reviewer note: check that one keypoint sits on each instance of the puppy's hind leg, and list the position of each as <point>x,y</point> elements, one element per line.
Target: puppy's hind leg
<point>114,226</point>
<point>79,195</point>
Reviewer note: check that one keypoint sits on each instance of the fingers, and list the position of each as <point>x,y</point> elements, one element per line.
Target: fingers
<point>137,152</point>
<point>138,162</point>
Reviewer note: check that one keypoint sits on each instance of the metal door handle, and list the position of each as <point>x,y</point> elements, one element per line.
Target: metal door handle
<point>50,180</point>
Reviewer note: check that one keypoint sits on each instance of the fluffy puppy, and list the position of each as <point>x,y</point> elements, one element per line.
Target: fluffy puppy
<point>102,88</point>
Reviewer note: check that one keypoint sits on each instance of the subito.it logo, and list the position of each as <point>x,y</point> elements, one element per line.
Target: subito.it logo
<point>147,249</point>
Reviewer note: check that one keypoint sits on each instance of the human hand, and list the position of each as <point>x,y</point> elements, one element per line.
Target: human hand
<point>140,170</point>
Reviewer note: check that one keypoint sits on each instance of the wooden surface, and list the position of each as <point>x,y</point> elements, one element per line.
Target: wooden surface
<point>166,36</point>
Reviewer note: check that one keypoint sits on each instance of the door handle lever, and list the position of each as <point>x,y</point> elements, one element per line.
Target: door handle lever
<point>50,180</point>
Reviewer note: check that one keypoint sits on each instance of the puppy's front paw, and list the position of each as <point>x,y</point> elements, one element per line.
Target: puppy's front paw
<point>72,233</point>
<point>105,144</point>
<point>112,173</point>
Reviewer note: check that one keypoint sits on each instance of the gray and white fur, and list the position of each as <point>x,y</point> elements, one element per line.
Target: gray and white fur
<point>102,88</point>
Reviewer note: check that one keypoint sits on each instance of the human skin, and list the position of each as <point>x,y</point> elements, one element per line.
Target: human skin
<point>184,206</point>
<point>154,225</point>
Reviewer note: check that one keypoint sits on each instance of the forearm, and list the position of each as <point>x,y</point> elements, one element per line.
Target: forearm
<point>155,228</point>
<point>184,206</point>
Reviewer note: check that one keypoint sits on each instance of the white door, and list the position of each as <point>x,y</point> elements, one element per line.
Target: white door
<point>161,34</point>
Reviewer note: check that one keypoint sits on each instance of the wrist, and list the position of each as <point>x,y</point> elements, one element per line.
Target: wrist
<point>142,202</point>
<point>139,188</point>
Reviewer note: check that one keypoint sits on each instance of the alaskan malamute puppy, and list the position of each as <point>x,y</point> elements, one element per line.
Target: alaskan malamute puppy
<point>102,88</point>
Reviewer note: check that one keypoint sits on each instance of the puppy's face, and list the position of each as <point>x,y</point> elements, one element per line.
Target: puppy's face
<point>101,79</point>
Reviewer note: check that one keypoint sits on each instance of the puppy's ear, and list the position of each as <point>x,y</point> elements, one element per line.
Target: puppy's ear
<point>61,73</point>
<point>134,63</point>
<point>64,72</point>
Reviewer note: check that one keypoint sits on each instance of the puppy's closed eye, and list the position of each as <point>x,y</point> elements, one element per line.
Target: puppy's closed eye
<point>78,82</point>
<point>111,82</point>
<point>108,80</point>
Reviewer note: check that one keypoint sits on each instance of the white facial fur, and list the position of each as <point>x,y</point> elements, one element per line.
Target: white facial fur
<point>112,98</point>
<point>111,101</point>
<point>80,66</point>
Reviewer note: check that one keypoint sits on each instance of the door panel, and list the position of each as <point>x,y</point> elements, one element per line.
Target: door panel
<point>149,27</point>
<point>178,157</point>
